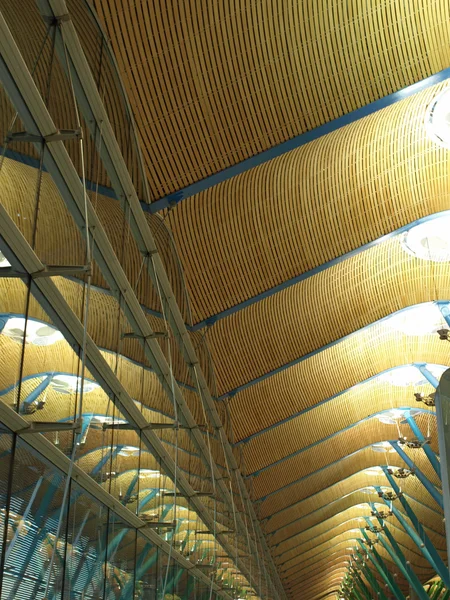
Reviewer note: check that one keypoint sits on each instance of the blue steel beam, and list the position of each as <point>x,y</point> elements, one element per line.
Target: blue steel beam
<point>304,357</point>
<point>445,311</point>
<point>34,395</point>
<point>370,577</point>
<point>398,557</point>
<point>209,321</point>
<point>428,375</point>
<point>298,557</point>
<point>324,532</point>
<point>322,440</point>
<point>417,539</point>
<point>375,555</point>
<point>434,493</point>
<point>379,565</point>
<point>420,538</point>
<point>426,447</point>
<point>291,506</point>
<point>254,161</point>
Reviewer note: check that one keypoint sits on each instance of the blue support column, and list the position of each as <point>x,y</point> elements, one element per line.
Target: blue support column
<point>426,447</point>
<point>428,375</point>
<point>445,311</point>
<point>380,565</point>
<point>34,395</point>
<point>398,557</point>
<point>370,577</point>
<point>130,489</point>
<point>143,503</point>
<point>25,517</point>
<point>419,536</point>
<point>437,496</point>
<point>110,455</point>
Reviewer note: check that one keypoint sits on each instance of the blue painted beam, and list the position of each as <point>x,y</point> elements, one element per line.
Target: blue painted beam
<point>301,359</point>
<point>399,558</point>
<point>434,461</point>
<point>329,399</point>
<point>209,321</point>
<point>420,538</point>
<point>324,532</point>
<point>296,142</point>
<point>34,395</point>
<point>291,506</point>
<point>428,376</point>
<point>445,312</point>
<point>437,496</point>
<point>378,563</point>
<point>322,440</point>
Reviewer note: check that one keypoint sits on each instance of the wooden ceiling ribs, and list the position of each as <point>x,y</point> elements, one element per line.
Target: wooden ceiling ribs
<point>211,86</point>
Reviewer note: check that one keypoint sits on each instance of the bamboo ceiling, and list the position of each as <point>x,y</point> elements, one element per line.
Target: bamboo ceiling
<point>299,376</point>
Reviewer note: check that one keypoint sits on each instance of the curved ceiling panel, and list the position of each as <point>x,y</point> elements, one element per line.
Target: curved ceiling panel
<point>286,217</point>
<point>212,85</point>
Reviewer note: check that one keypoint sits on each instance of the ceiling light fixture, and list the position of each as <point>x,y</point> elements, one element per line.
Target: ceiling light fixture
<point>437,121</point>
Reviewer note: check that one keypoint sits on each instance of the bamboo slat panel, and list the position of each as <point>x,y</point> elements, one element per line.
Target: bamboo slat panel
<point>211,85</point>
<point>324,479</point>
<point>329,372</point>
<point>286,217</point>
<point>288,325</point>
<point>323,454</point>
<point>349,539</point>
<point>288,527</point>
<point>341,412</point>
<point>59,242</point>
<point>328,452</point>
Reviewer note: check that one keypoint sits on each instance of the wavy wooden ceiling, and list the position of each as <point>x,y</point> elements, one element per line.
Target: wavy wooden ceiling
<point>211,85</point>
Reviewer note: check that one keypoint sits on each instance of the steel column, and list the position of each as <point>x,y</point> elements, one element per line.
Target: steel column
<point>437,497</point>
<point>381,567</point>
<point>426,447</point>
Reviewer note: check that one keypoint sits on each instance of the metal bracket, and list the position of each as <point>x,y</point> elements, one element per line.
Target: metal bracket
<point>52,20</point>
<point>49,426</point>
<point>196,494</point>
<point>62,271</point>
<point>60,135</point>
<point>153,336</point>
<point>129,427</point>
<point>162,524</point>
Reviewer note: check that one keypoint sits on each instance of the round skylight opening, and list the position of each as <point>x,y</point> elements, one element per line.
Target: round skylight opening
<point>423,319</point>
<point>402,376</point>
<point>437,121</point>
<point>429,240</point>
<point>37,333</point>
<point>71,384</point>
<point>395,415</point>
<point>129,451</point>
<point>144,473</point>
<point>383,447</point>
